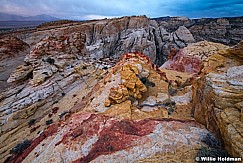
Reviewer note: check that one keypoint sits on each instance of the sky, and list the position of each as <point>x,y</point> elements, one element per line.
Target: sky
<point>98,9</point>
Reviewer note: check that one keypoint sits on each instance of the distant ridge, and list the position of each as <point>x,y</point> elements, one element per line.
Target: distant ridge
<point>43,17</point>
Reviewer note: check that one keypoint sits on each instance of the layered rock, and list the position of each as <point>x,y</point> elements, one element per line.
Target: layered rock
<point>227,31</point>
<point>49,56</point>
<point>55,74</point>
<point>132,81</point>
<point>221,30</point>
<point>94,138</point>
<point>137,125</point>
<point>180,92</point>
<point>135,102</point>
<point>192,58</point>
<point>12,53</point>
<point>11,46</point>
<point>217,97</point>
<point>114,37</point>
<point>217,93</point>
<point>173,23</point>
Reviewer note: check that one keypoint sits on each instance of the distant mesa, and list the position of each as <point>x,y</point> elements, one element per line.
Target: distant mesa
<point>43,17</point>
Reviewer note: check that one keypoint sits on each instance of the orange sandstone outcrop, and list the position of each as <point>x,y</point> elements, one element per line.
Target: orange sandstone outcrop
<point>134,85</point>
<point>217,97</point>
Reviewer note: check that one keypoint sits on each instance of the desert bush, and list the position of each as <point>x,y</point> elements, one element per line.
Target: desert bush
<point>213,149</point>
<point>212,152</point>
<point>50,60</point>
<point>19,148</point>
<point>31,122</point>
<point>146,82</point>
<point>62,114</point>
<point>48,122</point>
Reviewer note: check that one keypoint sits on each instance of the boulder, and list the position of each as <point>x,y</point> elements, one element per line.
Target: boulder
<point>182,37</point>
<point>21,73</point>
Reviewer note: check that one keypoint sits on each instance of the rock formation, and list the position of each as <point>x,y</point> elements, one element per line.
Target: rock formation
<point>191,58</point>
<point>70,94</point>
<point>227,31</point>
<point>11,46</point>
<point>54,75</point>
<point>12,53</point>
<point>115,37</point>
<point>217,97</point>
<point>221,30</point>
<point>217,92</point>
<point>138,125</point>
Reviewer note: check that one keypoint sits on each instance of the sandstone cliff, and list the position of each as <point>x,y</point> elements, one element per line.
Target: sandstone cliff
<point>114,37</point>
<point>217,91</point>
<point>217,97</point>
<point>227,31</point>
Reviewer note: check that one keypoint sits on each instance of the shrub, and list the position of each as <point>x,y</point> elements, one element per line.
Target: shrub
<point>170,110</point>
<point>84,67</point>
<point>31,122</point>
<point>105,68</point>
<point>146,82</point>
<point>48,122</point>
<point>19,148</point>
<point>211,141</point>
<point>212,152</point>
<point>50,60</point>
<point>62,114</point>
<point>214,148</point>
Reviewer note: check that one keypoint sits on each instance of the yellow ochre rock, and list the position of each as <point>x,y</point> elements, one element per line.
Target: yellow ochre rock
<point>131,86</point>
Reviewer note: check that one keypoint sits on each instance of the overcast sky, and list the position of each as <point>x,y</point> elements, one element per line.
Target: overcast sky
<point>92,9</point>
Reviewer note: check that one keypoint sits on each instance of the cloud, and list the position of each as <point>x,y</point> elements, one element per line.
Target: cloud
<point>90,17</point>
<point>83,9</point>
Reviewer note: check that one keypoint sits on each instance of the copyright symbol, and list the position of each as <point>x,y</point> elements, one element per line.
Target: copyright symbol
<point>197,159</point>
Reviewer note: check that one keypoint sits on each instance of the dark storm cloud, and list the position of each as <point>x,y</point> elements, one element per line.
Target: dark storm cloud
<point>88,9</point>
<point>209,8</point>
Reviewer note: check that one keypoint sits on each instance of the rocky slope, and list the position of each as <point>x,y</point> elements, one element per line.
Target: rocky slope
<point>72,97</point>
<point>227,31</point>
<point>54,76</point>
<point>114,37</point>
<point>12,54</point>
<point>136,113</point>
<point>217,92</point>
<point>217,97</point>
<point>129,116</point>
